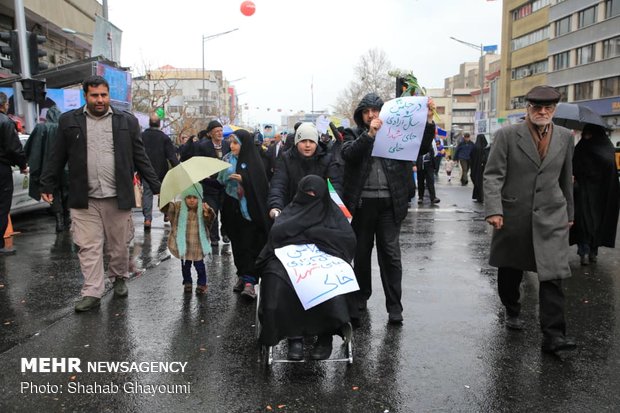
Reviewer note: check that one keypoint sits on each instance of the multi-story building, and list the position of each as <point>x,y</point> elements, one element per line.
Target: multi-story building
<point>49,18</point>
<point>584,55</point>
<point>573,45</point>
<point>470,95</point>
<point>190,97</point>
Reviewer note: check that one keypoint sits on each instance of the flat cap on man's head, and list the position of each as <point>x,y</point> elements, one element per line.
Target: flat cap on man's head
<point>543,94</point>
<point>213,124</point>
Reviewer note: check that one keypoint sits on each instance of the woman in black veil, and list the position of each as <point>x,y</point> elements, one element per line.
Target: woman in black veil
<point>311,218</point>
<point>596,194</point>
<point>479,156</point>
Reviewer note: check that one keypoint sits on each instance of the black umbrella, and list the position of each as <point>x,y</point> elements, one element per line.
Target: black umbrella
<point>575,116</point>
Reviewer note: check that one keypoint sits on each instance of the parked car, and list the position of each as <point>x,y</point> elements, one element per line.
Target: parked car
<point>21,201</point>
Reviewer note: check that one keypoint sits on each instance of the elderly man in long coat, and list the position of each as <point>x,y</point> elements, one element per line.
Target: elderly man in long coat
<point>529,202</point>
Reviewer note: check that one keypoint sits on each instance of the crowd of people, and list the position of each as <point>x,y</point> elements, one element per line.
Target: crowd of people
<point>274,195</point>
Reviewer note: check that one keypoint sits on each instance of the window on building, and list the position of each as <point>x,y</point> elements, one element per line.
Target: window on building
<point>529,70</point>
<point>562,26</point>
<point>587,16</point>
<point>441,110</point>
<point>563,92</point>
<point>528,8</point>
<point>583,91</point>
<point>517,102</point>
<point>530,38</point>
<point>585,54</point>
<point>175,109</point>
<point>464,113</point>
<point>612,8</point>
<point>610,86</point>
<point>560,60</point>
<point>611,48</point>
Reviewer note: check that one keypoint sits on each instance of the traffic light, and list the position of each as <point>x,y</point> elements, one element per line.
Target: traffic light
<point>33,90</point>
<point>34,53</point>
<point>401,86</point>
<point>11,50</point>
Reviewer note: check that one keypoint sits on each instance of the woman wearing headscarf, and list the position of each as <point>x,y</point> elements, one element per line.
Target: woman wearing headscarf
<point>244,210</point>
<point>478,161</point>
<point>311,218</point>
<point>596,194</point>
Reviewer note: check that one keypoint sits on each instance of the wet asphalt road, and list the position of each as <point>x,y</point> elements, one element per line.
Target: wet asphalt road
<point>453,352</point>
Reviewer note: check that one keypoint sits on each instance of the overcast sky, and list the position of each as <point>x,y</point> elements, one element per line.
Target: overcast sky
<point>288,44</point>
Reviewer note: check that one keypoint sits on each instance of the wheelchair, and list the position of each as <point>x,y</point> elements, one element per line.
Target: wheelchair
<point>268,353</point>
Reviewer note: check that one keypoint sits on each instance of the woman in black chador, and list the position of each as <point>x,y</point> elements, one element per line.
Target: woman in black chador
<point>479,156</point>
<point>311,218</point>
<point>596,194</point>
<point>244,210</point>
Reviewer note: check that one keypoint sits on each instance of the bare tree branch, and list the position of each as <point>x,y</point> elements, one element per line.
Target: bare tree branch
<point>371,74</point>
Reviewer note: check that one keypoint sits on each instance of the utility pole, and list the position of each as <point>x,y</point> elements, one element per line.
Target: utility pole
<point>29,108</point>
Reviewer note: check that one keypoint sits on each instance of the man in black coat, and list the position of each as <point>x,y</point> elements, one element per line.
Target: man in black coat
<point>161,153</point>
<point>377,192</point>
<point>11,153</point>
<point>212,145</point>
<point>103,148</point>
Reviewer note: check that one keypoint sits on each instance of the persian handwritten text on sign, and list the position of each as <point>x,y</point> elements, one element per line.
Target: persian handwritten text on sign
<point>316,275</point>
<point>404,120</point>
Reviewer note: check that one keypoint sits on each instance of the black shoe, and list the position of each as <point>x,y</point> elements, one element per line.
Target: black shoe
<point>120,287</point>
<point>395,319</point>
<point>558,344</point>
<point>592,258</point>
<point>295,349</point>
<point>420,201</point>
<point>514,323</point>
<point>322,348</point>
<point>436,201</point>
<point>239,285</point>
<point>583,260</point>
<point>7,251</point>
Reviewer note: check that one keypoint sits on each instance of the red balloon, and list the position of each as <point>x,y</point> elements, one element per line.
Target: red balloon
<point>248,8</point>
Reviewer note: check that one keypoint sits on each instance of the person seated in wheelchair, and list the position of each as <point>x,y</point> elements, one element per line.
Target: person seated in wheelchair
<point>311,218</point>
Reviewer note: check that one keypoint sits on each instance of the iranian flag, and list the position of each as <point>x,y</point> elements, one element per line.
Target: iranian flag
<point>334,195</point>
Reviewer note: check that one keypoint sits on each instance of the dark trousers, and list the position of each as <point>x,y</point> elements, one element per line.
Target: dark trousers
<point>550,300</point>
<point>215,199</point>
<point>6,197</point>
<point>375,217</point>
<point>464,170</point>
<point>186,270</point>
<point>426,179</point>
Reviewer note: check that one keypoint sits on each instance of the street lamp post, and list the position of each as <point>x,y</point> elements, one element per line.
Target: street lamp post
<point>480,71</point>
<point>204,95</point>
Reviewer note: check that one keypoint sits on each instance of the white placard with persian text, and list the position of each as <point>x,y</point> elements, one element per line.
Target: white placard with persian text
<point>316,275</point>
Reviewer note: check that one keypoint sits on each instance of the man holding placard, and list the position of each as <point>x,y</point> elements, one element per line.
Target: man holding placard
<point>379,185</point>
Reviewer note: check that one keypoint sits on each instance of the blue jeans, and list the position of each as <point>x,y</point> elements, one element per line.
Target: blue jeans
<point>186,270</point>
<point>147,201</point>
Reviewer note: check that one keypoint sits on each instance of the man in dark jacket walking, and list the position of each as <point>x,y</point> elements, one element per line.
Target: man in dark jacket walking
<point>161,153</point>
<point>11,153</point>
<point>103,148</point>
<point>377,192</point>
<point>462,154</point>
<point>38,150</point>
